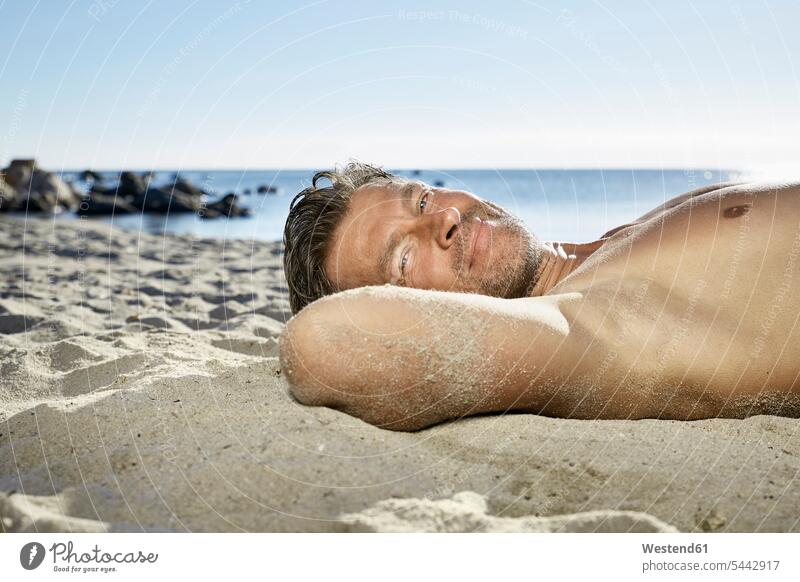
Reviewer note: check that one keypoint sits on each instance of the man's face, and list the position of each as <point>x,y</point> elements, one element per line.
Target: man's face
<point>407,233</point>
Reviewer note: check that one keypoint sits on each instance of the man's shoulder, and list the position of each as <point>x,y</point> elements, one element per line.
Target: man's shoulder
<point>671,204</point>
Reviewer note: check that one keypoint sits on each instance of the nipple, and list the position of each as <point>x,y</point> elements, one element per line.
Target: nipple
<point>737,211</point>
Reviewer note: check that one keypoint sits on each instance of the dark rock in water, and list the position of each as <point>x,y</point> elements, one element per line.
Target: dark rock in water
<point>131,185</point>
<point>38,201</point>
<point>128,198</point>
<point>53,189</point>
<point>226,207</point>
<point>28,188</point>
<point>438,183</point>
<point>97,204</point>
<point>416,172</point>
<point>149,177</point>
<point>19,172</point>
<point>25,187</point>
<point>186,187</point>
<point>264,189</point>
<point>136,191</point>
<point>8,195</point>
<point>90,175</point>
<point>154,200</point>
<point>247,192</point>
<point>163,201</point>
<point>131,188</point>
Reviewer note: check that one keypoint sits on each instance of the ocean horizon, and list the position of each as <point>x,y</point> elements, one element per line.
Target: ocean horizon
<point>572,204</point>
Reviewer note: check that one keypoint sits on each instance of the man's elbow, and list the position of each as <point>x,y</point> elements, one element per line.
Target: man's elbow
<point>299,351</point>
<point>344,352</point>
<point>314,354</point>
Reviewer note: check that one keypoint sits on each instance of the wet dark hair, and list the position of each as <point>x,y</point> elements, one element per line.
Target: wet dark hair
<point>314,215</point>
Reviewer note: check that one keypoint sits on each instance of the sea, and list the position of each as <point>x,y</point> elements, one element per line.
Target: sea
<point>565,205</point>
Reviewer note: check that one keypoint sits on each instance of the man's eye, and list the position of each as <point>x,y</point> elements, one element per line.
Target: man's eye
<point>423,202</point>
<point>403,263</point>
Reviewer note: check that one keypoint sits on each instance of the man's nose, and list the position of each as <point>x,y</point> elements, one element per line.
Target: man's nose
<point>447,221</point>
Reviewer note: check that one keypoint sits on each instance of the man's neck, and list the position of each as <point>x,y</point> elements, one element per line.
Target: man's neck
<point>559,260</point>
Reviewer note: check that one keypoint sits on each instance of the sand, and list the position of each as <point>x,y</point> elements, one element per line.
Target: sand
<point>140,391</point>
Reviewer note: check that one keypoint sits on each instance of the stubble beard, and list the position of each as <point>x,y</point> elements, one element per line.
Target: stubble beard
<point>514,255</point>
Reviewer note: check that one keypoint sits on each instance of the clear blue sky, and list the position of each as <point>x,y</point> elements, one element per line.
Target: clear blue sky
<point>122,83</point>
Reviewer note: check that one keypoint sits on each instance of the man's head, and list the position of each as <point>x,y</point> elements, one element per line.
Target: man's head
<point>370,227</point>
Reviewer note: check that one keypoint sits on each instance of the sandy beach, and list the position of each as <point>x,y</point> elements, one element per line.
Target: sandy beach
<point>140,390</point>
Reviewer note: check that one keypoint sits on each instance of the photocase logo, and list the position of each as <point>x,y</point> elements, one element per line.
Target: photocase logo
<point>31,555</point>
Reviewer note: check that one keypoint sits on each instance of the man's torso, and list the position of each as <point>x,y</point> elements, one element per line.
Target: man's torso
<point>693,312</point>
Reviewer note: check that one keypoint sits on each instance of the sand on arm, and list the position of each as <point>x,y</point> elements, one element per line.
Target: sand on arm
<point>408,358</point>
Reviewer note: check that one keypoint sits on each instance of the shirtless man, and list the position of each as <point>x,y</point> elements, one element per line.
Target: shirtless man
<point>455,309</point>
